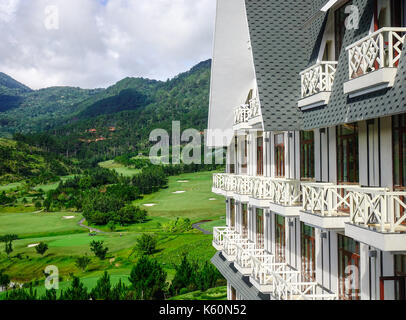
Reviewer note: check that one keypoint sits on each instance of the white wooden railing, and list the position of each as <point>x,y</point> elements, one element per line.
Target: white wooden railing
<point>380,209</point>
<point>231,241</point>
<point>285,282</point>
<point>327,199</point>
<point>245,254</point>
<point>318,78</point>
<point>282,191</point>
<point>255,107</point>
<point>220,232</point>
<point>381,49</point>
<point>245,112</point>
<point>242,114</point>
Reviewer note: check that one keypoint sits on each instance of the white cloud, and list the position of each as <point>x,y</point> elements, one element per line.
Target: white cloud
<point>99,42</point>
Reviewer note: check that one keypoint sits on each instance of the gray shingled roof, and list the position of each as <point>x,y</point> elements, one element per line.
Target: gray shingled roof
<point>343,110</point>
<point>236,279</point>
<point>280,50</point>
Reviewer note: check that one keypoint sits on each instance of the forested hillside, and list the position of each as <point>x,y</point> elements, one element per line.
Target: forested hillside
<point>19,161</point>
<point>119,119</point>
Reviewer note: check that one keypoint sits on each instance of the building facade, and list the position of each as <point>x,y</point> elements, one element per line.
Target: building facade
<point>309,97</point>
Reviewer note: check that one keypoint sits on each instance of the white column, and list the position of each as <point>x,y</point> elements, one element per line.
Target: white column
<point>386,152</point>
<point>333,154</point>
<point>364,271</point>
<point>334,261</point>
<point>317,160</point>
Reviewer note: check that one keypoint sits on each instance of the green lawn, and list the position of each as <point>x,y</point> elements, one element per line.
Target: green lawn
<point>67,241</point>
<point>216,223</point>
<point>119,168</point>
<point>194,203</point>
<point>30,224</point>
<point>219,293</point>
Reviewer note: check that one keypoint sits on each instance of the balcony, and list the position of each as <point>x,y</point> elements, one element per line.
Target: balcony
<point>241,115</point>
<point>317,83</point>
<point>218,236</point>
<point>247,115</point>
<point>231,241</point>
<point>281,195</point>
<point>378,218</point>
<point>283,282</point>
<point>373,61</point>
<point>326,205</point>
<point>243,262</point>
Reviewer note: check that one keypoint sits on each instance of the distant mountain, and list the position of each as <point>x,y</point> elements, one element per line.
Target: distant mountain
<point>120,118</point>
<point>6,82</point>
<point>39,110</point>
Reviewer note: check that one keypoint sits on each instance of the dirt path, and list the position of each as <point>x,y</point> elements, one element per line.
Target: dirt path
<point>198,224</point>
<point>80,223</point>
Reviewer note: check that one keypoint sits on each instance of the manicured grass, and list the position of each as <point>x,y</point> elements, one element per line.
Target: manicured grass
<point>210,225</point>
<point>67,241</point>
<point>119,168</point>
<point>30,224</point>
<point>52,186</point>
<point>195,203</point>
<point>219,293</point>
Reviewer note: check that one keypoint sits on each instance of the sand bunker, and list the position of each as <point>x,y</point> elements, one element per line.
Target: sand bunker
<point>150,204</point>
<point>33,245</point>
<point>178,192</point>
<point>69,217</point>
<point>183,181</point>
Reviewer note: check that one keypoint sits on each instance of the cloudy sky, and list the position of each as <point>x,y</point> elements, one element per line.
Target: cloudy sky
<point>95,43</point>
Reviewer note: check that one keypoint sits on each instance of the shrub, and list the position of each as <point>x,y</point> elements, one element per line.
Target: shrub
<point>146,244</point>
<point>98,249</point>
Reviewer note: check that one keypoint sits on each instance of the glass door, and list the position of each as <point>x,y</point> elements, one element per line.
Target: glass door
<point>400,273</point>
<point>308,252</point>
<point>280,237</point>
<point>307,155</point>
<point>260,156</point>
<point>399,158</point>
<point>347,158</point>
<point>244,220</point>
<point>232,213</point>
<point>348,268</point>
<point>280,155</point>
<point>245,156</point>
<point>260,228</point>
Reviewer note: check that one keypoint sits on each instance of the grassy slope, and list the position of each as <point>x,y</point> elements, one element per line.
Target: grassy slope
<point>65,243</point>
<point>194,203</point>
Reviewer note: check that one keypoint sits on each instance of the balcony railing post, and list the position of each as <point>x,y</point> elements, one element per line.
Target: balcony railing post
<point>390,49</point>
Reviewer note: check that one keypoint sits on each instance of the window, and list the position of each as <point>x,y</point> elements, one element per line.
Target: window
<point>348,268</point>
<point>260,228</point>
<point>245,155</point>
<point>399,156</point>
<point>308,252</point>
<point>260,156</point>
<point>280,237</point>
<point>232,213</point>
<point>233,294</point>
<point>307,154</point>
<point>339,28</point>
<point>347,153</point>
<point>244,220</point>
<point>280,155</point>
<point>400,272</point>
<point>399,150</point>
